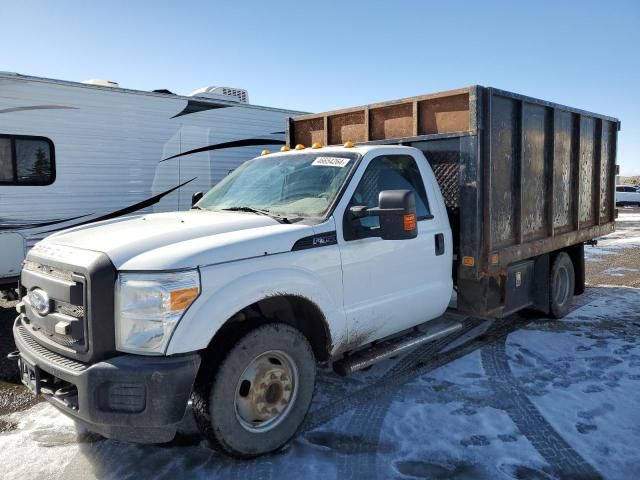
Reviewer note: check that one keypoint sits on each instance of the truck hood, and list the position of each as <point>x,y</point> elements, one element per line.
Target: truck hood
<point>176,240</point>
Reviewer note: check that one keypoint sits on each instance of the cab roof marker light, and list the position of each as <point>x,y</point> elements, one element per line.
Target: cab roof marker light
<point>300,147</point>
<point>285,148</point>
<point>265,152</point>
<point>348,144</point>
<point>316,145</point>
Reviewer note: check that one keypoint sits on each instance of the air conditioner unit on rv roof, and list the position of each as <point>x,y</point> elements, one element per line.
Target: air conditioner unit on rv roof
<point>102,83</point>
<point>222,93</point>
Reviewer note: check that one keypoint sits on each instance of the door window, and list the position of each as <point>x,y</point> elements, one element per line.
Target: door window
<point>388,172</point>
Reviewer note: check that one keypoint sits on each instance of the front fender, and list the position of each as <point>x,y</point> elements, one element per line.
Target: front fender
<point>221,299</point>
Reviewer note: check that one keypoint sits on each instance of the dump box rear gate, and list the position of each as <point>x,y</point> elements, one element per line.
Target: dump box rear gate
<point>521,178</point>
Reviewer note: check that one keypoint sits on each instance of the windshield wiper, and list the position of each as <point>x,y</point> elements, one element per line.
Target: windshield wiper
<point>258,211</point>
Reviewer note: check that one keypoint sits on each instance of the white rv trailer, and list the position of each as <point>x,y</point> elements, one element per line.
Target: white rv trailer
<point>73,153</point>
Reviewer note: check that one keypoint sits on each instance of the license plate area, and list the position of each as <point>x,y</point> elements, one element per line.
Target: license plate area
<point>30,375</point>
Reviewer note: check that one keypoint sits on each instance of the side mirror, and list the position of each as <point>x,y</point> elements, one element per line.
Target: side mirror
<point>397,212</point>
<point>195,198</point>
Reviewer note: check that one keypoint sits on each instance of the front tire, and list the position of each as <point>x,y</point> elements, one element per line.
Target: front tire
<point>561,285</point>
<point>258,396</point>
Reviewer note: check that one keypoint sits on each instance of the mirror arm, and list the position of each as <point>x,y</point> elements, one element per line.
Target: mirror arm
<point>376,211</point>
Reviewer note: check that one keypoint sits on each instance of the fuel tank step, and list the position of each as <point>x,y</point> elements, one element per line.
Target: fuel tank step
<point>383,349</point>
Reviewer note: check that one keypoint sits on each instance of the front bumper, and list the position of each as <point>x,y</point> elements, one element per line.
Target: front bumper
<point>129,397</point>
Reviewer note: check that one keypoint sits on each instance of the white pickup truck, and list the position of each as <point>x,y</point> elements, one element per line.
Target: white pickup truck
<point>295,258</point>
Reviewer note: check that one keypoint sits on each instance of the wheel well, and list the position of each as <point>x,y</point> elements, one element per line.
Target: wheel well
<point>294,310</point>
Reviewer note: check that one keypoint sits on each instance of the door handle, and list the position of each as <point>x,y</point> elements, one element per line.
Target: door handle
<point>439,243</point>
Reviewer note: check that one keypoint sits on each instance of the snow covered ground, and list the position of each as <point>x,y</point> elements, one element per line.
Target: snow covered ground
<point>518,398</point>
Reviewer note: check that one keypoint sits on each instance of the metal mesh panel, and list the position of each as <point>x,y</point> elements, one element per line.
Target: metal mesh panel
<point>444,157</point>
<point>65,308</point>
<point>447,170</point>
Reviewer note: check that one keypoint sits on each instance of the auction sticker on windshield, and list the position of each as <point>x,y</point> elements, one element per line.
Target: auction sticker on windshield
<point>330,162</point>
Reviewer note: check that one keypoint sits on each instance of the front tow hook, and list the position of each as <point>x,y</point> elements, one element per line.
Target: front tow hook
<point>13,355</point>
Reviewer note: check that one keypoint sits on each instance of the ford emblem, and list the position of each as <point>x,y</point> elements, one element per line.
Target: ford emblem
<point>39,301</point>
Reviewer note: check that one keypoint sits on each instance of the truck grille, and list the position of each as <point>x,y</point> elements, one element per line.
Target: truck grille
<point>48,270</point>
<point>65,308</point>
<point>79,287</point>
<point>58,360</point>
<point>66,322</point>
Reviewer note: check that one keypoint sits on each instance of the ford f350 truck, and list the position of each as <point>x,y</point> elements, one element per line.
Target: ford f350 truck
<point>344,254</point>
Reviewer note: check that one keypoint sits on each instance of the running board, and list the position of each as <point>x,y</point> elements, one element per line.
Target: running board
<point>395,346</point>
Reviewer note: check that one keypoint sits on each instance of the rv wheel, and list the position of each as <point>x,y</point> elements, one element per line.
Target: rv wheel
<point>258,396</point>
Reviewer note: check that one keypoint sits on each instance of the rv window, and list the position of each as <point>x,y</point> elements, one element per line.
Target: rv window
<point>6,162</point>
<point>26,160</point>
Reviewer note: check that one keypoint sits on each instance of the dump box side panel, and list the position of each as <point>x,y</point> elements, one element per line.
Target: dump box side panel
<point>548,178</point>
<point>436,114</point>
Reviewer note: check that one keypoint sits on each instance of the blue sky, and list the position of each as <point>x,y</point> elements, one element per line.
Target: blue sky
<point>329,54</point>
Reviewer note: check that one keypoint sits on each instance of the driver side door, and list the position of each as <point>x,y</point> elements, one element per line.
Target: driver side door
<point>391,285</point>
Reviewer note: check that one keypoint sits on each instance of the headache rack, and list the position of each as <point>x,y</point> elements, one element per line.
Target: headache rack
<point>521,177</point>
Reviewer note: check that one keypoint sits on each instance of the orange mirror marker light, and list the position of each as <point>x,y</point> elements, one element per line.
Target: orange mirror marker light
<point>409,222</point>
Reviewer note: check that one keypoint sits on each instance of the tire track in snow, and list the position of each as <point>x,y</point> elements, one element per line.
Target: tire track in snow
<point>560,456</point>
<point>366,423</point>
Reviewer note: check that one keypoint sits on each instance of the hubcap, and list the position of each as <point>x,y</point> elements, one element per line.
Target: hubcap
<point>266,390</point>
<point>562,286</point>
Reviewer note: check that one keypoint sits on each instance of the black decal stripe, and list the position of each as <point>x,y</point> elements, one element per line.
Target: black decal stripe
<point>248,142</point>
<point>130,209</point>
<point>37,107</point>
<point>7,225</point>
<point>279,133</point>
<point>195,106</point>
<point>318,240</point>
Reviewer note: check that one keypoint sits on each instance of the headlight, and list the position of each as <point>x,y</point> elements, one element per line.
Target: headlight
<point>149,306</point>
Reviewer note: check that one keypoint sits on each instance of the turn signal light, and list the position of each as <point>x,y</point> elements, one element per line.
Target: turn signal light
<point>409,222</point>
<point>348,144</point>
<point>468,261</point>
<point>300,146</point>
<point>181,299</point>
<point>316,145</point>
<point>265,152</point>
<point>285,148</point>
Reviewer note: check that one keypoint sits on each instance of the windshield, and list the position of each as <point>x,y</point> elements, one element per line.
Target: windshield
<point>292,185</point>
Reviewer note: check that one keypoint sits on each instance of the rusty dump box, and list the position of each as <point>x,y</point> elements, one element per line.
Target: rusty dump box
<point>521,178</point>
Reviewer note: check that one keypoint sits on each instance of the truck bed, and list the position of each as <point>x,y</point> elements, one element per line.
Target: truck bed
<point>521,177</point>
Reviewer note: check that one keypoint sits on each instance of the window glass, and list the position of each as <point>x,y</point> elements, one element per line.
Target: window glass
<point>33,160</point>
<point>391,172</point>
<point>293,185</point>
<point>6,162</point>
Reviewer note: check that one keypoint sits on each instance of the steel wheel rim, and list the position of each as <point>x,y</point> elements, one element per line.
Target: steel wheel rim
<point>562,285</point>
<point>266,391</point>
